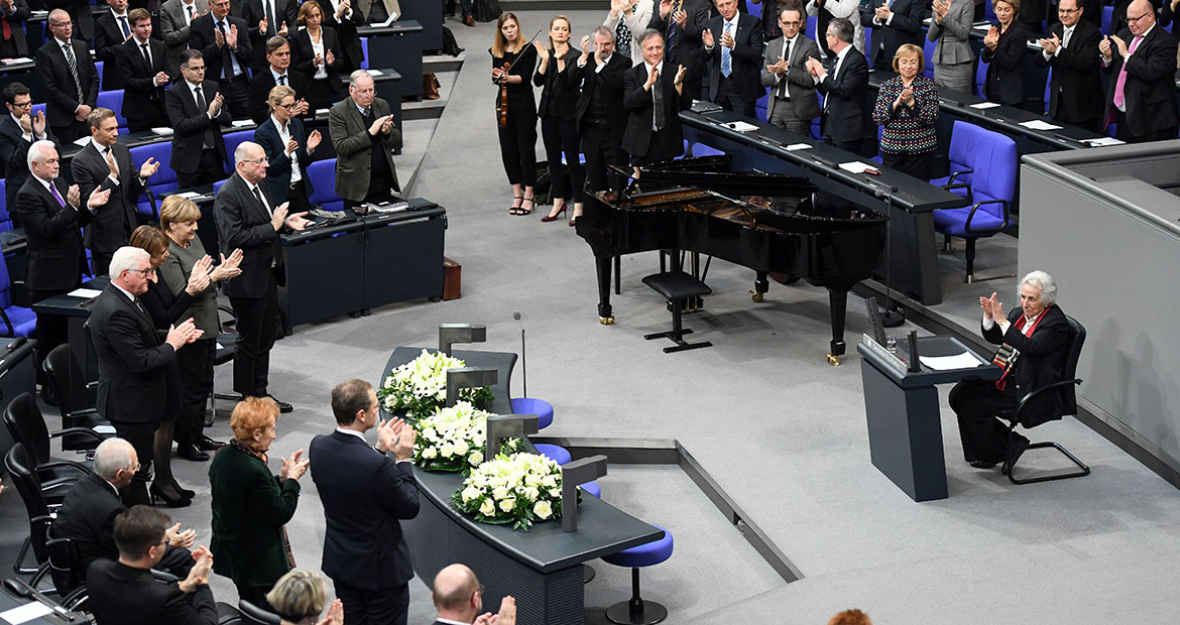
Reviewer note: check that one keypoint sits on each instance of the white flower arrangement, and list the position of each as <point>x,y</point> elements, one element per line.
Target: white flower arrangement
<point>419,387</point>
<point>520,489</point>
<point>454,439</point>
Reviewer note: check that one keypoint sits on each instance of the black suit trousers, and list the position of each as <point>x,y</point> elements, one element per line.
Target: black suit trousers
<point>141,436</point>
<point>1124,132</point>
<point>729,97</point>
<point>257,319</point>
<point>601,147</point>
<point>976,403</point>
<point>195,362</point>
<point>568,179</point>
<point>209,171</point>
<point>518,147</point>
<point>384,606</point>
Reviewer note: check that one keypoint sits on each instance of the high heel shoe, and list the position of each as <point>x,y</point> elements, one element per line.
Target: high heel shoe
<point>159,497</point>
<point>515,210</point>
<point>526,211</point>
<point>184,492</point>
<point>554,216</point>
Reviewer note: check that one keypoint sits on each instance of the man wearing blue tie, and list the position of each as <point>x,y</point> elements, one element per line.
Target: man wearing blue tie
<point>111,29</point>
<point>733,45</point>
<point>365,491</point>
<point>223,41</point>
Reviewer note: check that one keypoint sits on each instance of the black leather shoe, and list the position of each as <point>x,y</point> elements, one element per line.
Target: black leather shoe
<point>207,444</point>
<point>191,452</point>
<point>284,407</point>
<point>983,464</point>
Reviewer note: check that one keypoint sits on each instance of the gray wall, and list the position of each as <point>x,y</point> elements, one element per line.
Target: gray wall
<point>1112,241</point>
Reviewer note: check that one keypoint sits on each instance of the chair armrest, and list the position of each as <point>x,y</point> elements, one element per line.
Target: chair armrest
<point>78,430</point>
<point>1003,226</point>
<point>9,331</point>
<point>152,201</point>
<point>955,174</point>
<point>1036,393</point>
<point>961,185</point>
<point>66,464</point>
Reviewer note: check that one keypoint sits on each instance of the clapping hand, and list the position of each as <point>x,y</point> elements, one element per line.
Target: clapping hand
<point>26,124</point>
<point>665,8</point>
<point>161,79</point>
<point>652,77</point>
<point>992,38</point>
<point>345,5</point>
<point>39,124</point>
<point>177,538</point>
<point>318,60</point>
<point>149,168</point>
<point>313,140</point>
<point>814,67</point>
<point>199,574</point>
<point>335,614</point>
<point>98,198</point>
<point>941,8</point>
<point>883,12</point>
<point>215,105</point>
<point>183,334</point>
<point>907,96</point>
<point>262,26</point>
<point>298,221</point>
<point>293,467</point>
<point>228,267</point>
<point>219,38</point>
<point>1049,45</point>
<point>992,308</point>
<point>232,39</point>
<point>279,216</point>
<point>707,38</point>
<point>680,17</point>
<point>778,67</point>
<point>727,40</point>
<point>403,445</point>
<point>199,279</point>
<point>301,107</point>
<point>1122,45</point>
<point>292,145</point>
<point>283,29</point>
<point>678,80</point>
<point>542,52</point>
<point>331,58</point>
<point>73,196</point>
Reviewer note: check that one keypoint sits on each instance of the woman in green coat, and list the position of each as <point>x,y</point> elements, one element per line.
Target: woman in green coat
<point>251,505</point>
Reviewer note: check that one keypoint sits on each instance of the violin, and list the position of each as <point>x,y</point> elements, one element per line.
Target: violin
<point>502,103</point>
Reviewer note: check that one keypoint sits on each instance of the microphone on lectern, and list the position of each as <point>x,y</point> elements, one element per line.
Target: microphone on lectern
<point>524,362</point>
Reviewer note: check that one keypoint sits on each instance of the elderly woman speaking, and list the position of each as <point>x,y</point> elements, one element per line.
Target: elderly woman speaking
<point>251,505</point>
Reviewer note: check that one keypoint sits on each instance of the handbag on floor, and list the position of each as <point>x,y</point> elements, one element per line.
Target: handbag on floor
<point>430,86</point>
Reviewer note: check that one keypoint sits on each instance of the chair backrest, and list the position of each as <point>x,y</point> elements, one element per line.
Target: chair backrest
<point>98,65</point>
<point>992,156</point>
<point>928,50</point>
<point>1048,83</point>
<point>760,106</point>
<point>1107,18</point>
<point>5,281</point>
<point>67,379</point>
<point>113,100</point>
<point>5,218</point>
<point>21,471</point>
<point>981,77</point>
<point>365,52</point>
<point>322,175</point>
<point>232,141</point>
<point>1077,338</point>
<point>64,565</point>
<point>26,425</point>
<point>257,616</point>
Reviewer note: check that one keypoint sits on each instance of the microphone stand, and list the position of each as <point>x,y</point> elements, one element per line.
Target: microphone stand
<point>524,363</point>
<point>891,315</point>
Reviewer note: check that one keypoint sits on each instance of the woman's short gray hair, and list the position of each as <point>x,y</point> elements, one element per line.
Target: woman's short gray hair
<point>1043,281</point>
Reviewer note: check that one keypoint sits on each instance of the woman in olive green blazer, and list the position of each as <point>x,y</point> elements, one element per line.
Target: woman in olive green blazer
<point>251,505</point>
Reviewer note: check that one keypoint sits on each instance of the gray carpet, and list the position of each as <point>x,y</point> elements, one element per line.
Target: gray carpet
<point>778,428</point>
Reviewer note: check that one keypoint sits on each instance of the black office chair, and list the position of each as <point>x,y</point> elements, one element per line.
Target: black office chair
<point>254,615</point>
<point>21,470</point>
<point>224,355</point>
<point>226,613</point>
<point>73,393</point>
<point>64,569</point>
<point>26,425</point>
<point>1066,389</point>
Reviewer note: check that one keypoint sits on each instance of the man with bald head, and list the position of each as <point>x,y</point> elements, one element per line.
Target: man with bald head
<point>70,79</point>
<point>458,597</point>
<point>1141,60</point>
<point>248,219</point>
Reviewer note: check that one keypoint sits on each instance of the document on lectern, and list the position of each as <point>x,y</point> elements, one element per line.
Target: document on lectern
<point>965,360</point>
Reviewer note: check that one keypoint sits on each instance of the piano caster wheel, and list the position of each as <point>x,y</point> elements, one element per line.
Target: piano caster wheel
<point>607,321</point>
<point>833,360</point>
<point>756,296</point>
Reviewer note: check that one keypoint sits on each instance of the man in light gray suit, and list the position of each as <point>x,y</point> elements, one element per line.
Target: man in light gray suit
<point>792,103</point>
<point>175,17</point>
<point>362,131</point>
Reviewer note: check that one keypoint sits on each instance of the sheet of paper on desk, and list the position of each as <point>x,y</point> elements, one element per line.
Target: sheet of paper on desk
<point>798,146</point>
<point>87,293</point>
<point>241,123</point>
<point>26,612</point>
<point>1101,141</point>
<point>984,105</point>
<point>1037,124</point>
<point>162,131</point>
<point>189,195</point>
<point>741,126</point>
<point>856,167</point>
<point>946,363</point>
<point>82,141</point>
<point>19,59</point>
<point>374,72</point>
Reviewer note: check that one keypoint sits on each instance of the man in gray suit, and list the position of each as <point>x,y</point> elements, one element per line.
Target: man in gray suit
<point>362,131</point>
<point>175,17</point>
<point>792,103</point>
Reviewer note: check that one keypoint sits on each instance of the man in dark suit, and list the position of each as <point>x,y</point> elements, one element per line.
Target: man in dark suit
<point>195,110</point>
<point>681,23</point>
<point>265,19</point>
<point>458,597</point>
<point>1071,50</point>
<point>19,130</point>
<point>87,514</point>
<point>175,19</point>
<point>106,164</point>
<point>133,361</point>
<point>894,22</point>
<point>1034,342</point>
<point>79,13</point>
<point>247,219</point>
<point>277,72</point>
<point>124,592</point>
<point>69,77</point>
<point>51,215</point>
<point>601,120</point>
<point>364,135</point>
<point>1142,64</point>
<point>223,41</point>
<point>143,67</point>
<point>733,47</point>
<point>653,94</point>
<point>365,491</point>
<point>111,29</point>
<point>13,14</point>
<point>339,14</point>
<point>792,103</point>
<point>845,113</point>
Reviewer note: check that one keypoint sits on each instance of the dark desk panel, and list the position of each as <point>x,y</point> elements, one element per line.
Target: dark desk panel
<point>910,201</point>
<point>428,13</point>
<point>400,46</point>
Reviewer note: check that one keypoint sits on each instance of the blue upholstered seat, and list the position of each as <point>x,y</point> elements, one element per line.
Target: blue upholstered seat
<point>554,452</point>
<point>322,175</point>
<point>592,488</point>
<point>22,319</point>
<point>532,405</point>
<point>232,141</point>
<point>648,554</point>
<point>164,180</point>
<point>113,100</point>
<point>700,149</point>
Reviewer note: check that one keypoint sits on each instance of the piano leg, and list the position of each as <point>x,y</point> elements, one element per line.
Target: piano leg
<point>838,301</point>
<point>604,265</point>
<point>761,285</point>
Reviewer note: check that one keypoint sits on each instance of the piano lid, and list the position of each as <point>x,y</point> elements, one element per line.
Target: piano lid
<point>712,173</point>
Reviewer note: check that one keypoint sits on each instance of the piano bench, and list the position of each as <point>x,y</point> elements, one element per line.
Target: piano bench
<point>676,287</point>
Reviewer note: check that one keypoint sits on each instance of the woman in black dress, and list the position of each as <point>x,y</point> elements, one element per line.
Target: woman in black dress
<point>516,110</point>
<point>316,53</point>
<point>557,75</point>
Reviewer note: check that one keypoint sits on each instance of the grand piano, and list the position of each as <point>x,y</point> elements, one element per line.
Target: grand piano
<point>774,224</point>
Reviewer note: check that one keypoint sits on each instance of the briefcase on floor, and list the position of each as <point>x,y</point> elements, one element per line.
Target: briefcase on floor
<point>452,273</point>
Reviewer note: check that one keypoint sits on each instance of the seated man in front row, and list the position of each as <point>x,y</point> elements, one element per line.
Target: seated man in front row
<point>1034,344</point>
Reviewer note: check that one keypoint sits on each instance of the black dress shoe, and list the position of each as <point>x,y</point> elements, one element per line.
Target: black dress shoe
<point>159,497</point>
<point>207,444</point>
<point>983,464</point>
<point>284,407</point>
<point>190,451</point>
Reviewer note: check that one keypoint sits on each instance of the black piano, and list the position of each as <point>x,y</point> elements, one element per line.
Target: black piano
<point>774,224</point>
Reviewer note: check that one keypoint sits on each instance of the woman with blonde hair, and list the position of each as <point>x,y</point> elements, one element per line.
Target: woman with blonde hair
<point>315,53</point>
<point>516,110</point>
<point>251,506</point>
<point>557,75</point>
<point>299,597</point>
<point>906,111</point>
<point>288,151</point>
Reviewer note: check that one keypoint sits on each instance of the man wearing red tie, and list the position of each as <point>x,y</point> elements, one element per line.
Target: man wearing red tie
<point>1141,60</point>
<point>13,14</point>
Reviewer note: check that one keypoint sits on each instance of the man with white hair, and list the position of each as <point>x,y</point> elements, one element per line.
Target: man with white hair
<point>247,219</point>
<point>51,214</point>
<point>364,136</point>
<point>1034,344</point>
<point>132,360</point>
<point>87,514</point>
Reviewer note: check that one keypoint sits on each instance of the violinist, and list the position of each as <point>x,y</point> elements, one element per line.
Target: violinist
<point>513,60</point>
